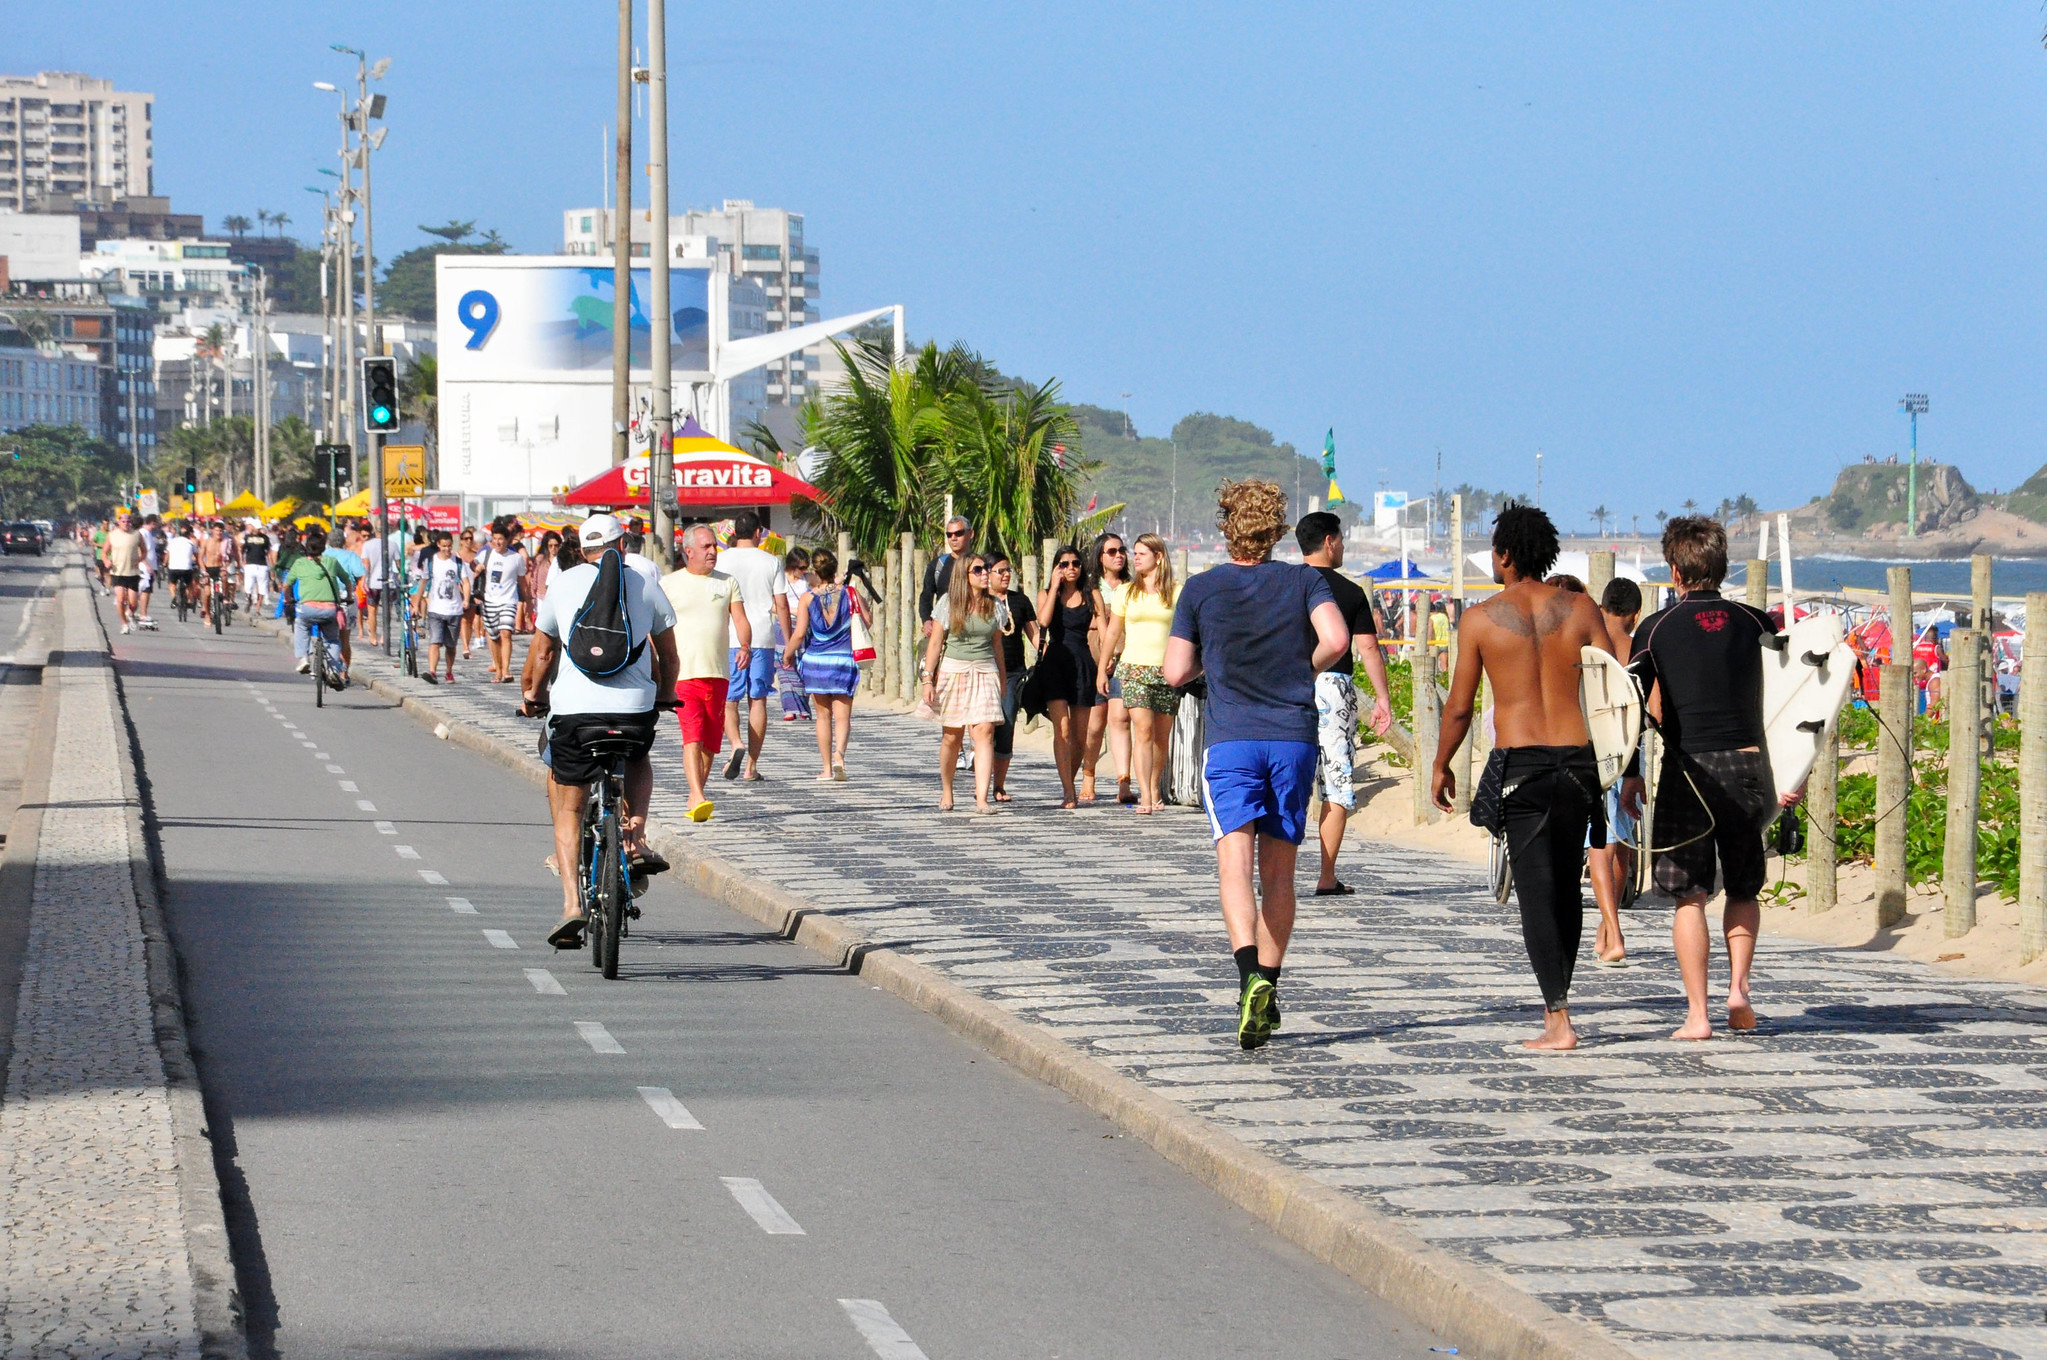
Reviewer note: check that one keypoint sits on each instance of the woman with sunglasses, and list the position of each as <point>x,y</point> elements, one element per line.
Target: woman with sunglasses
<point>963,676</point>
<point>1108,576</point>
<point>1065,618</point>
<point>1139,622</point>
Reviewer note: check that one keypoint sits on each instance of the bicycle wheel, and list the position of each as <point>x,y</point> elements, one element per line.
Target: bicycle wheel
<point>184,607</point>
<point>586,880</point>
<point>611,894</point>
<point>215,608</point>
<point>316,652</point>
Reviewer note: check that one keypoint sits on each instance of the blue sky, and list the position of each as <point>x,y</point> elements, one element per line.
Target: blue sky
<point>1686,250</point>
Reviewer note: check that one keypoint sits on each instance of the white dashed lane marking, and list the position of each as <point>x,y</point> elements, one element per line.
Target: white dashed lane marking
<point>406,852</point>
<point>883,1335</point>
<point>543,982</point>
<point>461,904</point>
<point>500,940</point>
<point>662,1101</point>
<point>365,805</point>
<point>335,769</point>
<point>598,1037</point>
<point>386,829</point>
<point>762,1207</point>
<point>319,755</point>
<point>349,786</point>
<point>439,880</point>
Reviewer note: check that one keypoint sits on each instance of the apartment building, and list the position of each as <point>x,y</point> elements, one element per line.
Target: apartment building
<point>65,133</point>
<point>48,387</point>
<point>762,246</point>
<point>110,335</point>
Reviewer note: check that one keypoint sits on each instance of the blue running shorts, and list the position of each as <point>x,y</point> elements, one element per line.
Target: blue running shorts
<point>757,681</point>
<point>1266,782</point>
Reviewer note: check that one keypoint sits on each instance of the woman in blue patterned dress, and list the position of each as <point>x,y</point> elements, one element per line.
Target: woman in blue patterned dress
<point>824,641</point>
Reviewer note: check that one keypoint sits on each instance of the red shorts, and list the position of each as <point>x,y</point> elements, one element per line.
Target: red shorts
<point>700,708</point>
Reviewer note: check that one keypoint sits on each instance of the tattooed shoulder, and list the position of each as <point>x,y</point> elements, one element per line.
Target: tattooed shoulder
<point>1556,613</point>
<point>1503,614</point>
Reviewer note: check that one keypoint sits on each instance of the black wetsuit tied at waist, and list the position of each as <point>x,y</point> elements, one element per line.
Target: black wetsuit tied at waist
<point>1552,798</point>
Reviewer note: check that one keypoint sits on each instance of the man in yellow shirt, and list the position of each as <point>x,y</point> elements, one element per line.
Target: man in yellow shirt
<point>713,639</point>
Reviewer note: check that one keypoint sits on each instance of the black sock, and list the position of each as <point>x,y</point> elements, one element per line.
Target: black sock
<point>1270,972</point>
<point>1247,964</point>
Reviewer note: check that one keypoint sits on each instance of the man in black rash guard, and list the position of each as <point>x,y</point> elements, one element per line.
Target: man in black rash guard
<point>1527,640</point>
<point>1716,793</point>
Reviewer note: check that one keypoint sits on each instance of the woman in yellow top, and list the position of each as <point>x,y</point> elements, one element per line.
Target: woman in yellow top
<point>1140,620</point>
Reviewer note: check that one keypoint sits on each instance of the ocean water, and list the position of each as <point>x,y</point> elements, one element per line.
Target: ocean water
<point>2008,576</point>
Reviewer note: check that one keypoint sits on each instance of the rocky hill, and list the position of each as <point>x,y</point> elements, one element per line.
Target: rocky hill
<point>1868,497</point>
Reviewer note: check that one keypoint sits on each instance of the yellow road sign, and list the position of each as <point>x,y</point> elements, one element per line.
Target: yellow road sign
<point>404,469</point>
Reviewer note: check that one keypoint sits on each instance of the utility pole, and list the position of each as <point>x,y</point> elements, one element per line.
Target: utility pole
<point>368,110</point>
<point>1538,479</point>
<point>1173,514</point>
<point>344,374</point>
<point>622,247</point>
<point>260,372</point>
<point>1912,404</point>
<point>661,467</point>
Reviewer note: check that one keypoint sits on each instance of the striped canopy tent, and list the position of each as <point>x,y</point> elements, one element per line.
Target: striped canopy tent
<point>708,472</point>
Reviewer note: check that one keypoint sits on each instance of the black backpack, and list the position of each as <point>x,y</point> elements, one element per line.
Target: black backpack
<point>600,641</point>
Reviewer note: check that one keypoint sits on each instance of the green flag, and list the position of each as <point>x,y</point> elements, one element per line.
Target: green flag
<point>1329,454</point>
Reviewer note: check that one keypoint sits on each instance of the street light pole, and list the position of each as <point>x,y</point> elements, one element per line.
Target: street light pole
<point>344,401</point>
<point>622,246</point>
<point>368,110</point>
<point>661,465</point>
<point>1913,404</point>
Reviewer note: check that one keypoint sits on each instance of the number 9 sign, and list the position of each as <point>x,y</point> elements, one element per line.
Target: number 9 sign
<point>478,310</point>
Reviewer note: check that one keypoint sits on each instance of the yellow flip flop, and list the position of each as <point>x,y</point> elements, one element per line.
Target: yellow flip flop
<point>702,811</point>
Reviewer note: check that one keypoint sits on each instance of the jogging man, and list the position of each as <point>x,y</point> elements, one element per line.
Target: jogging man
<point>99,556</point>
<point>122,556</point>
<point>583,708</point>
<point>444,593</point>
<point>152,567</point>
<point>765,591</point>
<point>1260,631</point>
<point>1336,692</point>
<point>1716,795</point>
<point>1526,640</point>
<point>256,565</point>
<point>713,640</point>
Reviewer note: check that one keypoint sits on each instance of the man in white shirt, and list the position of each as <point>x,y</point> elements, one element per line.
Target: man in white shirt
<point>370,548</point>
<point>503,569</point>
<point>710,618</point>
<point>181,561</point>
<point>444,588</point>
<point>765,590</point>
<point>585,708</point>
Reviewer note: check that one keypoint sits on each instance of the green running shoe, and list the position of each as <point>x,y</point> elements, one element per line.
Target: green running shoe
<point>1254,1013</point>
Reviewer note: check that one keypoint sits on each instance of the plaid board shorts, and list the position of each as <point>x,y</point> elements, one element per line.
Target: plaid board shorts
<point>1336,737</point>
<point>1740,803</point>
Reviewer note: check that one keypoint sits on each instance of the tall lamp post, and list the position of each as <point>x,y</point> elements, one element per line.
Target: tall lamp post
<point>661,466</point>
<point>368,109</point>
<point>1912,404</point>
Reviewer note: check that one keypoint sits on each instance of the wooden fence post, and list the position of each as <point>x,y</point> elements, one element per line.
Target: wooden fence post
<point>1979,595</point>
<point>904,638</point>
<point>2033,796</point>
<point>913,629</point>
<point>886,654</point>
<point>1893,782</point>
<point>1422,667</point>
<point>1964,697</point>
<point>1759,582</point>
<point>1823,815</point>
<point>1598,573</point>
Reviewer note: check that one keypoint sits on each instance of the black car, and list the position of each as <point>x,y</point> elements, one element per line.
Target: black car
<point>22,537</point>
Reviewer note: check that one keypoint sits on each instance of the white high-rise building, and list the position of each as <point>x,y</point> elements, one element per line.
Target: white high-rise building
<point>763,246</point>
<point>64,133</point>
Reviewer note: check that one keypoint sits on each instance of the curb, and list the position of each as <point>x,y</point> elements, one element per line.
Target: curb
<point>1465,1302</point>
<point>216,1303</point>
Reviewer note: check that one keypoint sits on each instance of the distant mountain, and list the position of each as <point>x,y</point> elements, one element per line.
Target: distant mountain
<point>1869,495</point>
<point>1210,448</point>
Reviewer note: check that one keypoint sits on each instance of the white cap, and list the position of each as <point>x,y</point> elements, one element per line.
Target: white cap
<point>598,530</point>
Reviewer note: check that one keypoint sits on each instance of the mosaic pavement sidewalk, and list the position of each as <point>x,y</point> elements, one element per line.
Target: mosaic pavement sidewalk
<point>1863,1177</point>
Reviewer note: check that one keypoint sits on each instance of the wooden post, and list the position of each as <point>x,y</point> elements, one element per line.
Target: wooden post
<point>1598,573</point>
<point>886,655</point>
<point>1759,582</point>
<point>1979,595</point>
<point>1893,781</point>
<point>1422,667</point>
<point>1822,811</point>
<point>1461,760</point>
<point>1964,780</point>
<point>904,639</point>
<point>1899,580</point>
<point>920,561</point>
<point>2033,797</point>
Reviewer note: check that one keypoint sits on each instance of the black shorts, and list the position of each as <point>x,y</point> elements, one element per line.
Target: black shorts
<point>571,736</point>
<point>212,573</point>
<point>1740,804</point>
<point>126,582</point>
<point>181,577</point>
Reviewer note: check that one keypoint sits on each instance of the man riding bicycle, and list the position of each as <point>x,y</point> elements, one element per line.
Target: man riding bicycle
<point>320,591</point>
<point>180,556</point>
<point>213,554</point>
<point>587,710</point>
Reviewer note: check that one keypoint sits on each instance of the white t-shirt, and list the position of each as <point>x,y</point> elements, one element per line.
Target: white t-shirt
<point>444,587</point>
<point>646,569</point>
<point>179,553</point>
<point>373,560</point>
<point>761,579</point>
<point>501,576</point>
<point>648,614</point>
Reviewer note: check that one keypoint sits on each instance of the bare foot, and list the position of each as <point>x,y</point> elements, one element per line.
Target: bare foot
<point>1698,1028</point>
<point>1557,1034</point>
<point>945,805</point>
<point>1740,1015</point>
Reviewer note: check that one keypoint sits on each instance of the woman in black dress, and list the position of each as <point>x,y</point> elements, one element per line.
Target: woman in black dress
<point>1065,613</point>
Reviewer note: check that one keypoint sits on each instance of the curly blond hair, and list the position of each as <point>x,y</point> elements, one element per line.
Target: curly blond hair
<point>1252,516</point>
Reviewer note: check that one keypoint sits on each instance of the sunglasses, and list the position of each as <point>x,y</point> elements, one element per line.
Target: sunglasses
<point>977,571</point>
<point>1112,552</point>
<point>955,533</point>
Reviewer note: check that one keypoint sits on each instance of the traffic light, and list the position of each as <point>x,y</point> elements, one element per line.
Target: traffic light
<point>191,482</point>
<point>380,395</point>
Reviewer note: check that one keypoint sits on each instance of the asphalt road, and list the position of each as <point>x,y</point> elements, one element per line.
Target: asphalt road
<point>445,1140</point>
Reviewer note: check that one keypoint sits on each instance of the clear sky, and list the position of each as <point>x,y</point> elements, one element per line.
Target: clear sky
<point>1685,250</point>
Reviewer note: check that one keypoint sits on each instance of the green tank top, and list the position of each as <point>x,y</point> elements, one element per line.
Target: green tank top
<point>972,639</point>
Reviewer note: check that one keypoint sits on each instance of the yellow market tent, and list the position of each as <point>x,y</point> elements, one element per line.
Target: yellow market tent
<point>248,503</point>
<point>308,521</point>
<point>282,509</point>
<point>361,503</point>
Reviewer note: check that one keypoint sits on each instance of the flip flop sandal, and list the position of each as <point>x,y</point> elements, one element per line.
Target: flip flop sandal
<point>552,867</point>
<point>569,934</point>
<point>650,861</point>
<point>1621,962</point>
<point>756,778</point>
<point>1340,890</point>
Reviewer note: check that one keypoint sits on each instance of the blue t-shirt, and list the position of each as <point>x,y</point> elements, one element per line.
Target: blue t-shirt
<point>1257,647</point>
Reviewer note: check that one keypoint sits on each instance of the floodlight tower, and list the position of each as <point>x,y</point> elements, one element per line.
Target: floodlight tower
<point>1912,404</point>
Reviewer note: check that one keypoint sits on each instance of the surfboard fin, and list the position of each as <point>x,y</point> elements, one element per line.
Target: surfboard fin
<point>1812,725</point>
<point>1776,642</point>
<point>1815,659</point>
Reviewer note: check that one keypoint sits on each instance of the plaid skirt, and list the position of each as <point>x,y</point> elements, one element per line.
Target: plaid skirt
<point>969,692</point>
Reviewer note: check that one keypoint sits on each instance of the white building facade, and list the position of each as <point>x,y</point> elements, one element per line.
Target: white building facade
<point>39,247</point>
<point>62,132</point>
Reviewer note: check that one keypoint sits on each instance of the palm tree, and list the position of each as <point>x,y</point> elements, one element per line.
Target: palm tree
<point>998,464</point>
<point>236,225</point>
<point>1690,506</point>
<point>278,219</point>
<point>1599,514</point>
<point>880,436</point>
<point>262,220</point>
<point>1662,515</point>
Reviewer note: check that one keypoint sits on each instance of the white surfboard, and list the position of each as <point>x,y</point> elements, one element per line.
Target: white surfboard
<point>1805,682</point>
<point>1613,711</point>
